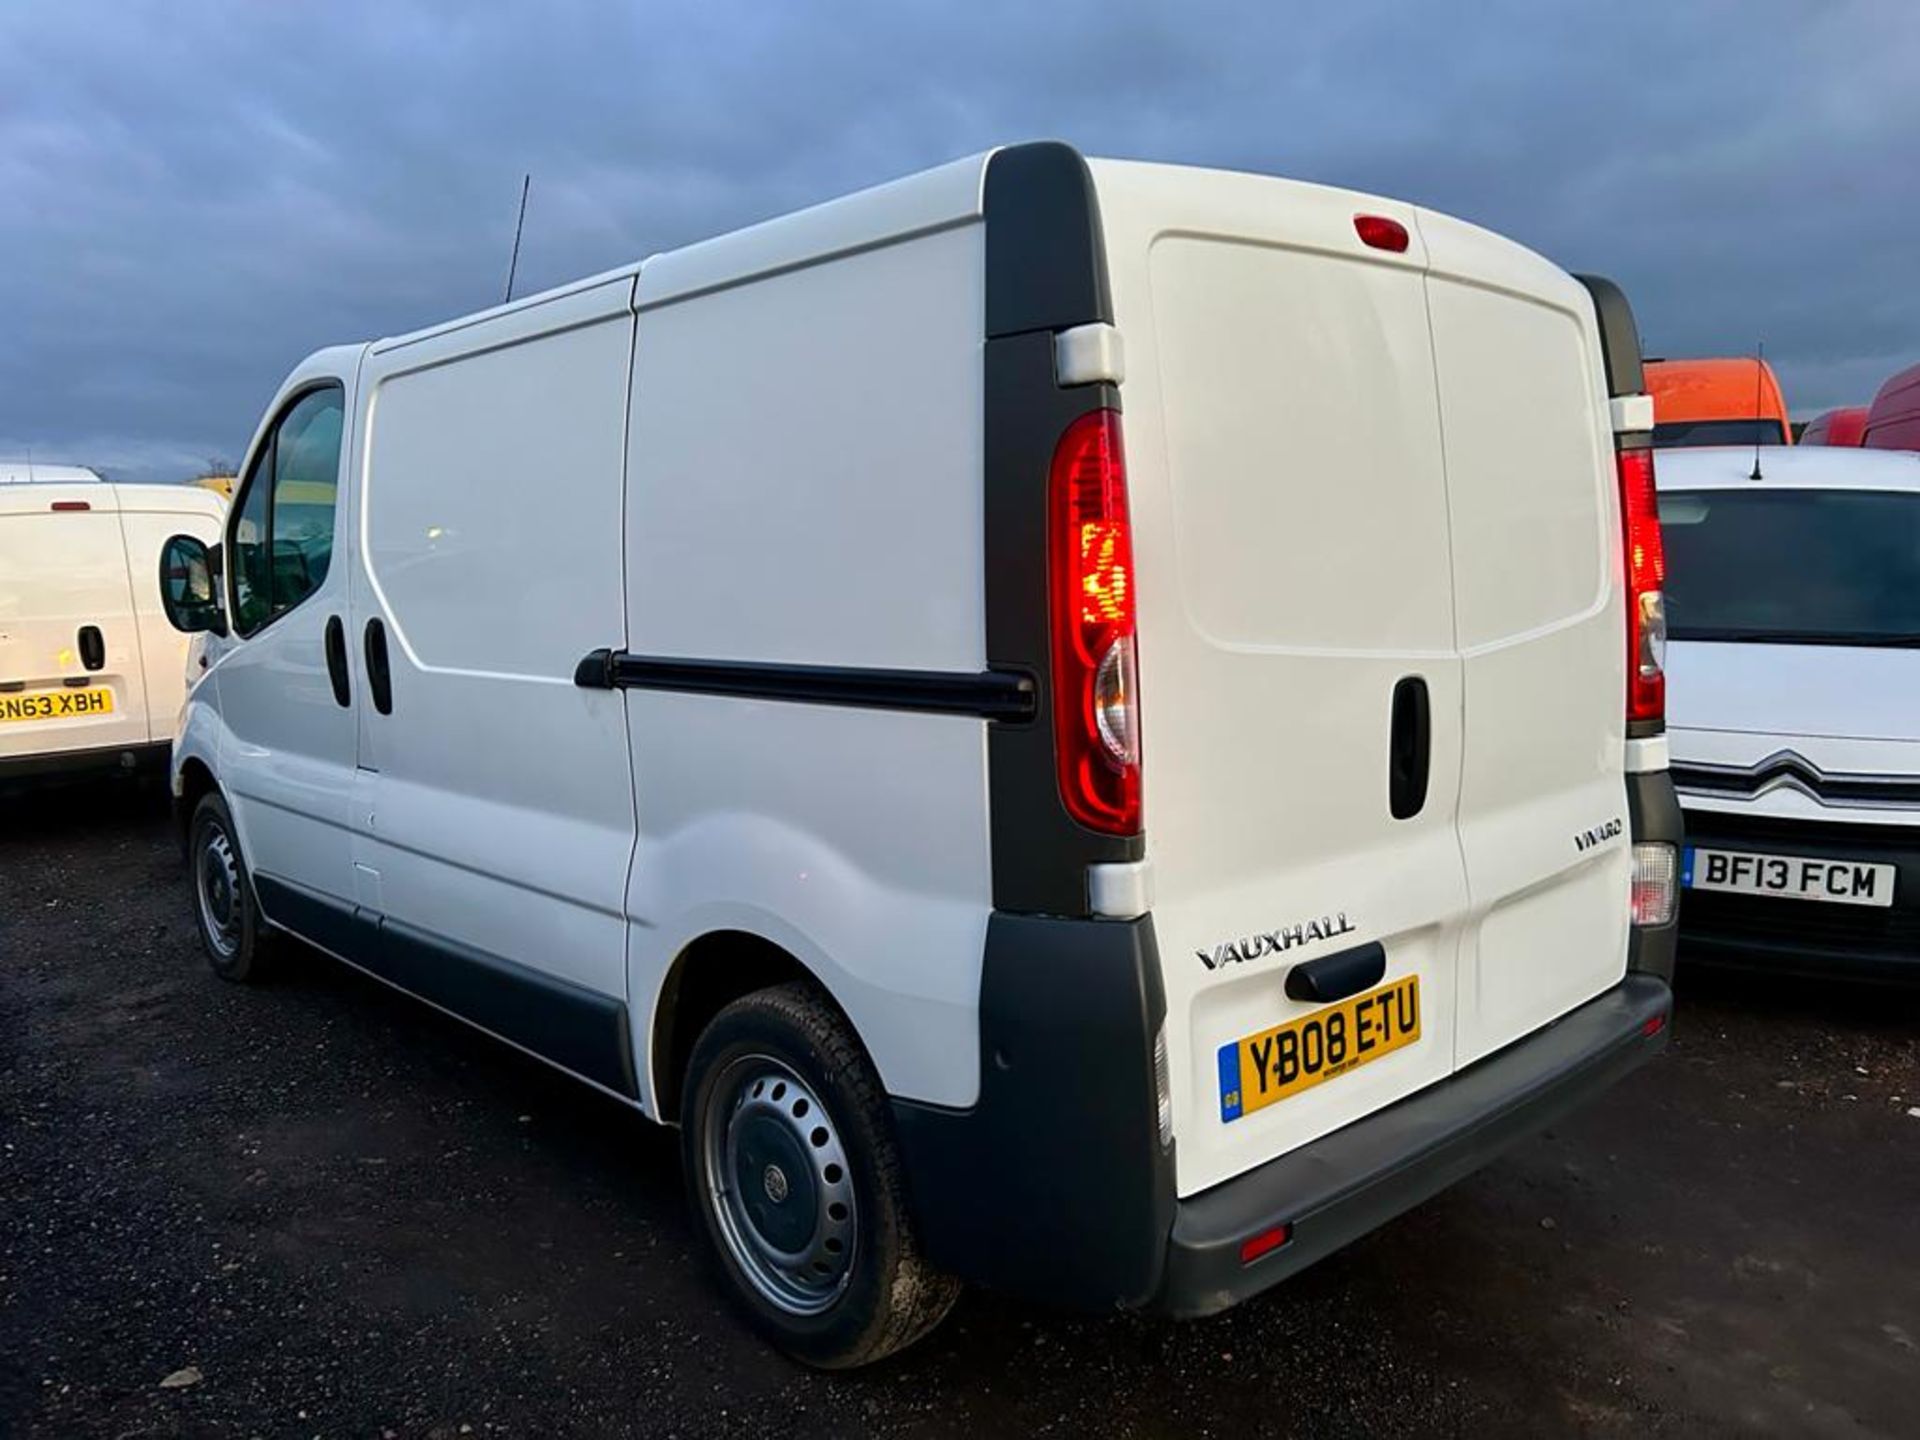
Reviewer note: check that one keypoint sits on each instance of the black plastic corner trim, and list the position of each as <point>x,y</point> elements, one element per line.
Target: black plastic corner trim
<point>1337,1188</point>
<point>1046,259</point>
<point>1619,336</point>
<point>1054,1185</point>
<point>990,694</point>
<point>577,1029</point>
<point>1654,814</point>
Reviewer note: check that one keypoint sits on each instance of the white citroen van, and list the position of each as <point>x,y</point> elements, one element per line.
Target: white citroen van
<point>91,675</point>
<point>1069,723</point>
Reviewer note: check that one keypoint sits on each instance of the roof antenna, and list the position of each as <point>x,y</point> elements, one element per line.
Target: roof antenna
<point>1759,370</point>
<point>519,225</point>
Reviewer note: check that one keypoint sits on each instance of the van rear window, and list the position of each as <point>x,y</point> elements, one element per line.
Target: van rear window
<point>1679,434</point>
<point>1794,567</point>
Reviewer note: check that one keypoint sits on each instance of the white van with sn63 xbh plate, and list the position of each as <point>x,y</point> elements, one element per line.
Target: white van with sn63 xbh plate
<point>761,682</point>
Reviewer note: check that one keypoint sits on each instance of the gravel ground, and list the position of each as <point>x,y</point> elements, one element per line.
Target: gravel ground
<point>343,1214</point>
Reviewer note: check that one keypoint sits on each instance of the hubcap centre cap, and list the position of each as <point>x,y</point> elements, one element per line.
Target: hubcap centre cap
<point>775,1181</point>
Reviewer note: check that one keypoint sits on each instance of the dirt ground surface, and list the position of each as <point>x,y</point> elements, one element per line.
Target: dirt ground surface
<point>348,1215</point>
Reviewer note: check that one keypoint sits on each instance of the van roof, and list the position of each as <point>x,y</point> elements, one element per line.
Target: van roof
<point>1816,467</point>
<point>102,495</point>
<point>1720,388</point>
<point>36,472</point>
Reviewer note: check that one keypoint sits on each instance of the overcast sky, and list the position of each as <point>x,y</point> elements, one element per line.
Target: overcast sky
<point>195,195</point>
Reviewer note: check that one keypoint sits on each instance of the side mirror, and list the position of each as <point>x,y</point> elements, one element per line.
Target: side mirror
<point>189,589</point>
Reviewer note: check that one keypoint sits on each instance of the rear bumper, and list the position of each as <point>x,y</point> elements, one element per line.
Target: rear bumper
<point>1338,1188</point>
<point>1054,1185</point>
<point>22,770</point>
<point>1807,937</point>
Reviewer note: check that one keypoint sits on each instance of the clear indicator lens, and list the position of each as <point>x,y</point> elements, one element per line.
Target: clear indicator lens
<point>1114,688</point>
<point>1655,883</point>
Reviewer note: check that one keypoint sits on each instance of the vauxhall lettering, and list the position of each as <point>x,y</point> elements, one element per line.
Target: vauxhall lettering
<point>1275,942</point>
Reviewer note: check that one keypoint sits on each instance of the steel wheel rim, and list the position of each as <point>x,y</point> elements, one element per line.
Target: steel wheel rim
<point>217,887</point>
<point>779,1185</point>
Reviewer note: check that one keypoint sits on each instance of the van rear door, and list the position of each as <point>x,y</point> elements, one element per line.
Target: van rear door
<point>1290,521</point>
<point>67,626</point>
<point>1534,521</point>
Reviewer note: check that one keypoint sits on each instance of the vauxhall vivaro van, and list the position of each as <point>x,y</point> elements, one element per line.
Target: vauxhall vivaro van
<point>91,675</point>
<point>1093,728</point>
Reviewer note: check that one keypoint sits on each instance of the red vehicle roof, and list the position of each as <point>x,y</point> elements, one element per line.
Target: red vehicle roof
<point>1842,426</point>
<point>1893,420</point>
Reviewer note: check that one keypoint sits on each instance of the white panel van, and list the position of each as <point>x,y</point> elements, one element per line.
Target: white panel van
<point>92,676</point>
<point>1090,728</point>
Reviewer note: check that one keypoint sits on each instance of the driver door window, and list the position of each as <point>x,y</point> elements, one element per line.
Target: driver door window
<point>283,524</point>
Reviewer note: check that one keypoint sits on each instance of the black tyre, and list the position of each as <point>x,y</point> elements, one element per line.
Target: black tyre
<point>237,941</point>
<point>792,1171</point>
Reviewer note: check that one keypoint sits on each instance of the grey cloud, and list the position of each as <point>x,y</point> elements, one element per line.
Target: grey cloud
<point>194,195</point>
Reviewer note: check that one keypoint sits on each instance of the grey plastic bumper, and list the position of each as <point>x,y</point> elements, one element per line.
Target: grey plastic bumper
<point>1338,1188</point>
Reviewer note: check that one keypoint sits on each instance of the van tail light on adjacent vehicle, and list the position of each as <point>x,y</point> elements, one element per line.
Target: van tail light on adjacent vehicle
<point>1646,574</point>
<point>1096,687</point>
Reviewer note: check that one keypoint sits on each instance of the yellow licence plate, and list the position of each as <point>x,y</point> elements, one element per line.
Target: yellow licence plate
<point>55,704</point>
<point>1259,1070</point>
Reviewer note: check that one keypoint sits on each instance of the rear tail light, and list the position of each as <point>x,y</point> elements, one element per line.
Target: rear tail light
<point>64,505</point>
<point>1655,891</point>
<point>1646,574</point>
<point>1096,686</point>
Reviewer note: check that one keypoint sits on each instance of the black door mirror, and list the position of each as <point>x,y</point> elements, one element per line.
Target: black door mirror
<point>189,586</point>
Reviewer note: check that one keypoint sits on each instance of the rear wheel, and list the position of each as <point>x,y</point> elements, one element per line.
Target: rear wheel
<point>792,1169</point>
<point>236,939</point>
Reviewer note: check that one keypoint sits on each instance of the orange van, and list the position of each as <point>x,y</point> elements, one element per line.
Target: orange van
<point>1734,401</point>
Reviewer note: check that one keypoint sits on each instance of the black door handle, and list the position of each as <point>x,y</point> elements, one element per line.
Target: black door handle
<point>379,678</point>
<point>1410,750</point>
<point>337,660</point>
<point>1336,976</point>
<point>93,647</point>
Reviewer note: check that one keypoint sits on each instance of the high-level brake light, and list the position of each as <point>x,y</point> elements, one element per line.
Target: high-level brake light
<point>1096,702</point>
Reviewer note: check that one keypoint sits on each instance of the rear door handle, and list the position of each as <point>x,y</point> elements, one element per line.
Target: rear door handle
<point>379,678</point>
<point>337,661</point>
<point>93,647</point>
<point>1410,750</point>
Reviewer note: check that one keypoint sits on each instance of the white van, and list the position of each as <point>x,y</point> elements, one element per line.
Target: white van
<point>732,686</point>
<point>91,675</point>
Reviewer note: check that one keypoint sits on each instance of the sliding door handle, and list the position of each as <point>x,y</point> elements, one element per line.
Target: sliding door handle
<point>379,678</point>
<point>337,661</point>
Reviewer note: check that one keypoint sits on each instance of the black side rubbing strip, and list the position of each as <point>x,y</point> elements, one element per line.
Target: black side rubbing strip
<point>379,677</point>
<point>1410,750</point>
<point>336,647</point>
<point>990,694</point>
<point>1335,977</point>
<point>578,1029</point>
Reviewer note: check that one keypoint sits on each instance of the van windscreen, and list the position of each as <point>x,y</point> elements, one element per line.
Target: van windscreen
<point>1678,434</point>
<point>1793,567</point>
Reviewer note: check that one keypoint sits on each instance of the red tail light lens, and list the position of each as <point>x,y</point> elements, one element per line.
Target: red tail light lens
<point>60,505</point>
<point>1096,701</point>
<point>1646,575</point>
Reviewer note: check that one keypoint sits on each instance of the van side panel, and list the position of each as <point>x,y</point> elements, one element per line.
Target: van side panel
<point>501,814</point>
<point>1536,541</point>
<point>805,489</point>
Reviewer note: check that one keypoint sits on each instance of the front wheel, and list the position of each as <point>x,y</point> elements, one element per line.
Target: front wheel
<point>236,939</point>
<point>792,1169</point>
